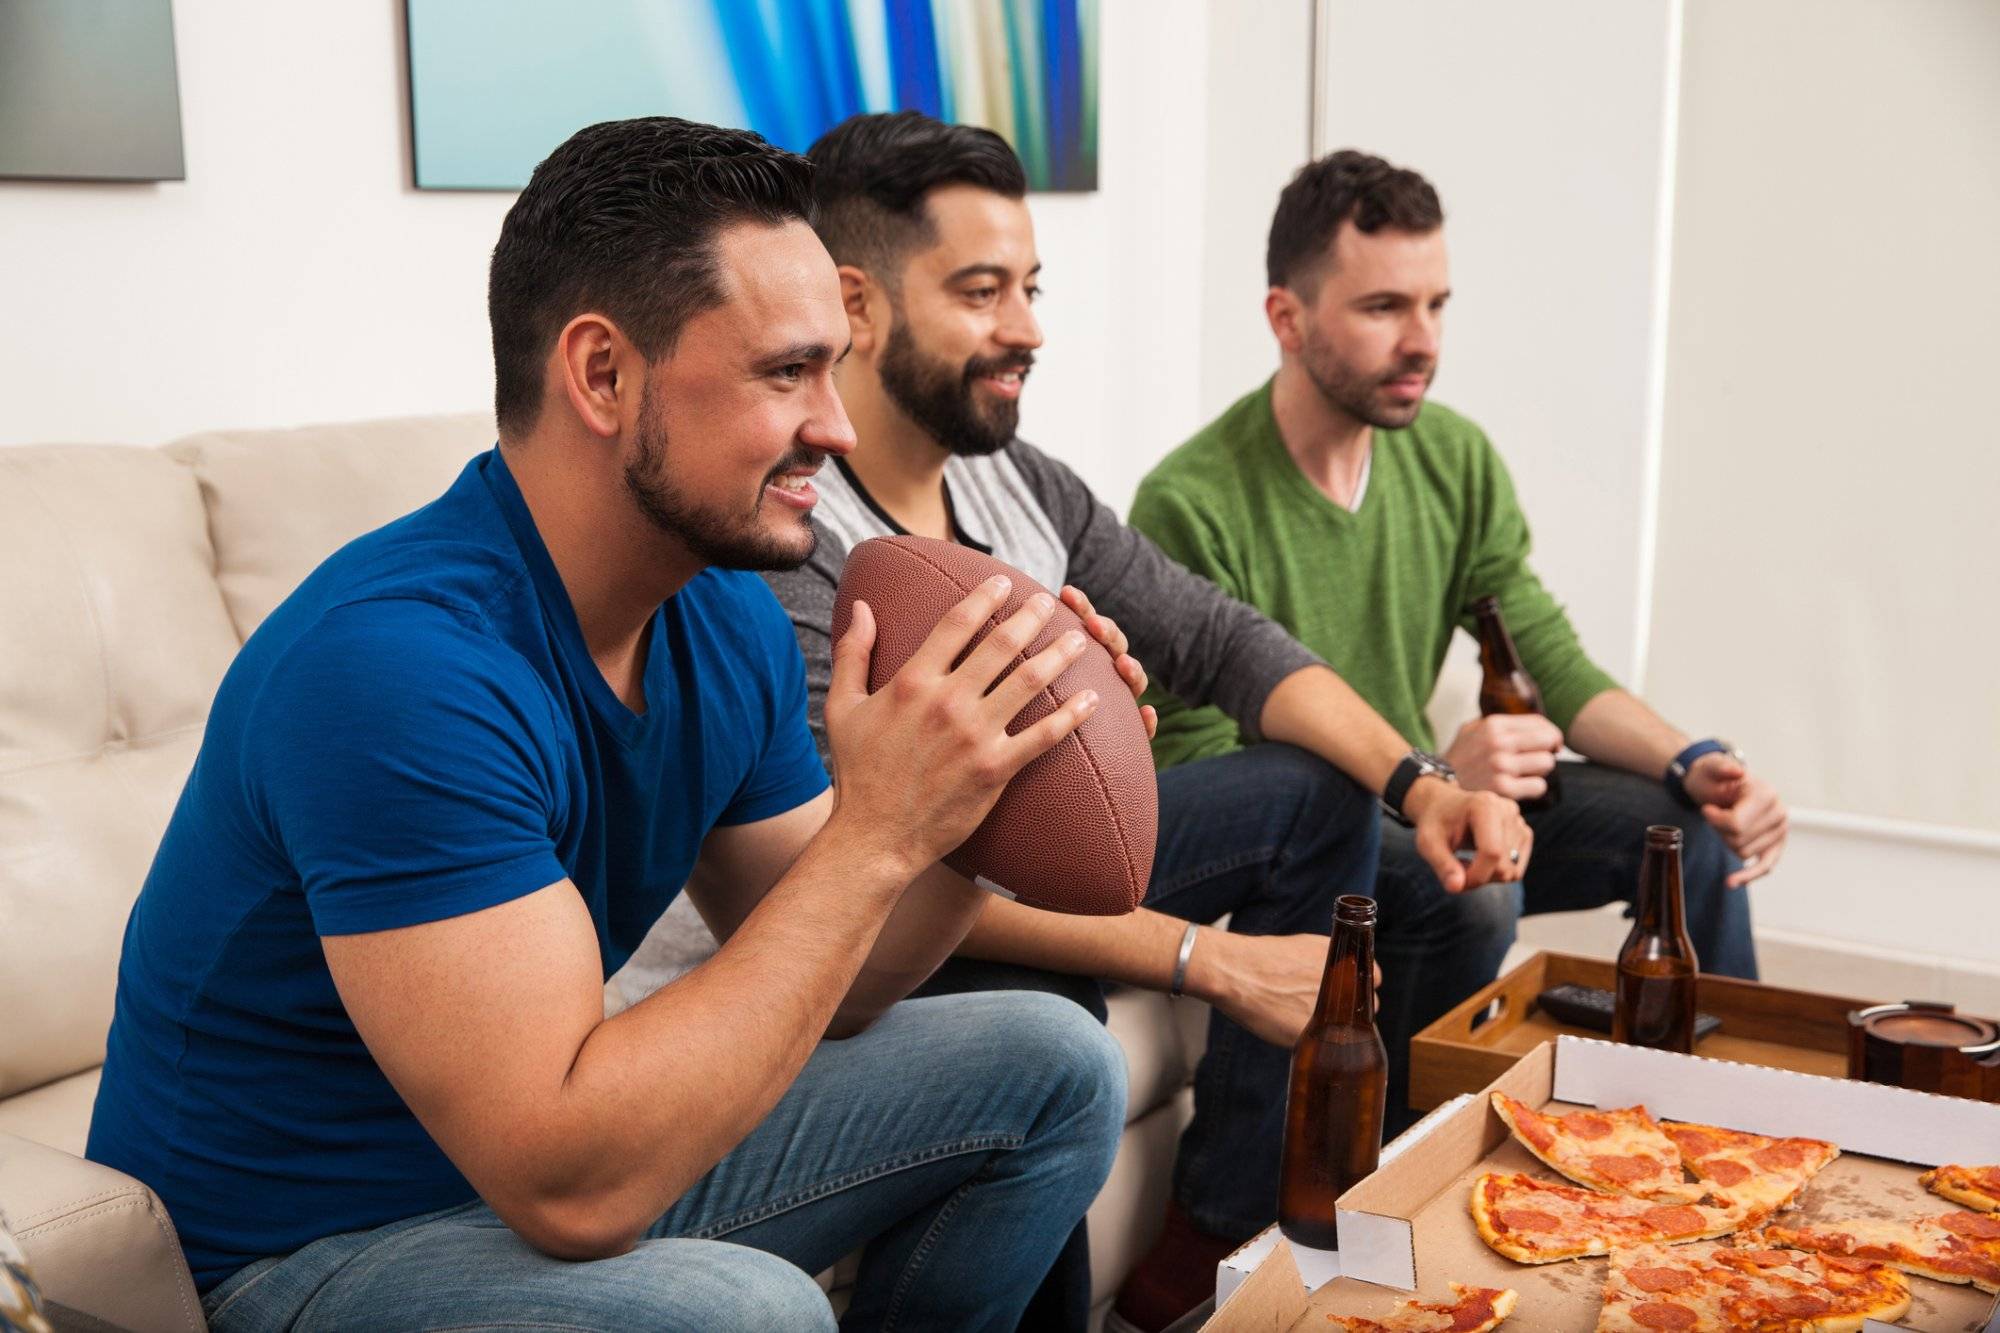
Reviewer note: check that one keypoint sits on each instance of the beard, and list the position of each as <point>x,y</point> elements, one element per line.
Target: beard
<point>1358,393</point>
<point>942,402</point>
<point>714,534</point>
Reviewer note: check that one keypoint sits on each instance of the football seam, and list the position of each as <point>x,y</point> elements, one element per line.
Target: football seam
<point>1103,794</point>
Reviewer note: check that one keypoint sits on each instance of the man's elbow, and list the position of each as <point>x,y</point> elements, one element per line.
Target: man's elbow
<point>576,1229</point>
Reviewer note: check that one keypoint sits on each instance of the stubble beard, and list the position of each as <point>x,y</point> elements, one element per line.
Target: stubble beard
<point>1356,393</point>
<point>710,534</point>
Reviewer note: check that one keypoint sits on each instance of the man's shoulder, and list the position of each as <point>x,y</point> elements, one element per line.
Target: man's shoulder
<point>1213,457</point>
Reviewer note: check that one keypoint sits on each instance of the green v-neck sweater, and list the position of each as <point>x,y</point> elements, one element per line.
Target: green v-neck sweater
<point>1376,592</point>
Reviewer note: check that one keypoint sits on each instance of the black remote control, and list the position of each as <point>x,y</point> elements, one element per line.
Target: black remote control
<point>1591,1006</point>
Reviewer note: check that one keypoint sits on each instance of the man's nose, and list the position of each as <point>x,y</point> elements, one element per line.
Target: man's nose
<point>827,428</point>
<point>1019,329</point>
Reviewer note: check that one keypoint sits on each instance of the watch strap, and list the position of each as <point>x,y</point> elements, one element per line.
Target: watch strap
<point>1678,768</point>
<point>1414,765</point>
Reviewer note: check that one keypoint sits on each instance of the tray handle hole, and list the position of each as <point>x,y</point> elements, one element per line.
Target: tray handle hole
<point>1493,1011</point>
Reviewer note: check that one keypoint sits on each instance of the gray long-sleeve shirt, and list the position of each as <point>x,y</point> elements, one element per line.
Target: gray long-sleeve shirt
<point>1033,513</point>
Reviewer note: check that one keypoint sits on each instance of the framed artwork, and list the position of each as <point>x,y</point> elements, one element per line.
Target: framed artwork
<point>88,91</point>
<point>496,84</point>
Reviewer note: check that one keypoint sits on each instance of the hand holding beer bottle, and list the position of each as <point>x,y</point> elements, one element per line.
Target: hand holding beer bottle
<point>1507,690</point>
<point>1340,1086</point>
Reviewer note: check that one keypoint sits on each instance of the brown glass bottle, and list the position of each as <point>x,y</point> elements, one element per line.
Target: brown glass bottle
<point>1340,1085</point>
<point>1505,685</point>
<point>1657,965</point>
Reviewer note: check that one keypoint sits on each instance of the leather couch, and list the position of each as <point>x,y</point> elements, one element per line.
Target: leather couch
<point>129,576</point>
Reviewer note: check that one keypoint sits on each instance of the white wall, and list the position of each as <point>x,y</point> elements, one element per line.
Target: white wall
<point>1542,124</point>
<point>295,276</point>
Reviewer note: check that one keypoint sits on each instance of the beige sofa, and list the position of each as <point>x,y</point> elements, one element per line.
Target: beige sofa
<point>128,578</point>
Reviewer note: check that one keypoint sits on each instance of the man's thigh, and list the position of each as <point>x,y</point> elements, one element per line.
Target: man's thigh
<point>882,1125</point>
<point>463,1269</point>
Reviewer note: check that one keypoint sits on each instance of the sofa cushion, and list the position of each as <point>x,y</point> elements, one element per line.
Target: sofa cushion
<point>281,501</point>
<point>112,640</point>
<point>55,1115</point>
<point>99,1242</point>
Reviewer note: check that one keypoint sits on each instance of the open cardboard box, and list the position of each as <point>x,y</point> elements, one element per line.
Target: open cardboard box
<point>1407,1227</point>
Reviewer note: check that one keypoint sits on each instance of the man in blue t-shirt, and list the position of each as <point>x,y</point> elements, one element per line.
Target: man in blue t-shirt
<point>360,1047</point>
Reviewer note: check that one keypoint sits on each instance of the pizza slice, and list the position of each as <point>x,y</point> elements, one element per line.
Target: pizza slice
<point>1472,1310</point>
<point>1717,1286</point>
<point>1619,1152</point>
<point>1534,1222</point>
<point>1759,1172</point>
<point>1974,1186</point>
<point>1953,1247</point>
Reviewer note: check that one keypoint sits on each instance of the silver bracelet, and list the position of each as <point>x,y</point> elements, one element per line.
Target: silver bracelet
<point>1180,963</point>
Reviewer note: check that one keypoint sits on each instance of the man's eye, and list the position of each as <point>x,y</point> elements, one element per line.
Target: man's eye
<point>982,295</point>
<point>791,374</point>
<point>1034,293</point>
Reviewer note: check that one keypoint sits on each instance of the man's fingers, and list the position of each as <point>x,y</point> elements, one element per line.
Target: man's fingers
<point>1525,731</point>
<point>1006,643</point>
<point>1131,673</point>
<point>1520,789</point>
<point>1149,717</point>
<point>851,656</point>
<point>1526,764</point>
<point>1755,848</point>
<point>948,639</point>
<point>1033,676</point>
<point>1438,854</point>
<point>1046,734</point>
<point>1763,866</point>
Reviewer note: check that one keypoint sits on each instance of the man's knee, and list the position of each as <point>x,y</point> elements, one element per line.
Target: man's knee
<point>713,1284</point>
<point>1083,1064</point>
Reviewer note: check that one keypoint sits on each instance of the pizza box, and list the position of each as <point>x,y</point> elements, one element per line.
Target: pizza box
<point>1479,1040</point>
<point>1407,1227</point>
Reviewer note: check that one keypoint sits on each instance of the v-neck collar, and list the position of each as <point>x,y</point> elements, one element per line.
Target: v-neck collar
<point>617,717</point>
<point>958,533</point>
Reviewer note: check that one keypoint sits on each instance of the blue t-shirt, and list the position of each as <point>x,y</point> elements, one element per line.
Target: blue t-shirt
<point>418,732</point>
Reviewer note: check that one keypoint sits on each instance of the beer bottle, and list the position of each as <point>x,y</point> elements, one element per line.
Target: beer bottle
<point>1340,1085</point>
<point>1506,686</point>
<point>1657,965</point>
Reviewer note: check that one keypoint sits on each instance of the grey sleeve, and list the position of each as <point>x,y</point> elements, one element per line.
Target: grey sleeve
<point>1192,638</point>
<point>807,596</point>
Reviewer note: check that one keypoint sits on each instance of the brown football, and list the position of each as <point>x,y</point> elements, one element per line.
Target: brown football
<point>1074,830</point>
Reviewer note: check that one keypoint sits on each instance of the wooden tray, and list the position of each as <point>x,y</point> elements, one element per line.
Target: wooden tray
<point>1761,1025</point>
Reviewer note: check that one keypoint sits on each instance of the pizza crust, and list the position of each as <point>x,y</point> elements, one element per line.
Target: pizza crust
<point>1974,1186</point>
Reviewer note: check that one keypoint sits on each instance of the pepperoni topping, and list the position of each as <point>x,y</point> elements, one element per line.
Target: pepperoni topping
<point>1527,1219</point>
<point>1625,1168</point>
<point>1587,1125</point>
<point>1783,1155</point>
<point>1475,1311</point>
<point>1973,1226</point>
<point>1726,1171</point>
<point>1801,1306</point>
<point>1767,1258</point>
<point>1659,1279</point>
<point>1697,1142</point>
<point>1664,1314</point>
<point>1676,1220</point>
<point>1848,1264</point>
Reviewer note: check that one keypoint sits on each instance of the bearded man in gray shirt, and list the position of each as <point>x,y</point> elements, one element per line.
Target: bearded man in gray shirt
<point>936,252</point>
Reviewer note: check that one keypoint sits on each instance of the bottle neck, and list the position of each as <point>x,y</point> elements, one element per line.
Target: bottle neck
<point>1347,990</point>
<point>1660,909</point>
<point>1496,645</point>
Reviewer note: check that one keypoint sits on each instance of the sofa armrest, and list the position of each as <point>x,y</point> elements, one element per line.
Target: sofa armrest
<point>98,1242</point>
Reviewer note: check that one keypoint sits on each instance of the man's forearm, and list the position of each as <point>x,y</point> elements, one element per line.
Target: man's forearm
<point>1314,709</point>
<point>676,1081</point>
<point>1617,728</point>
<point>927,925</point>
<point>1136,950</point>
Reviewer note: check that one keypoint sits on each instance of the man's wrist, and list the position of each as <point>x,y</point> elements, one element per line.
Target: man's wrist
<point>861,852</point>
<point>1425,792</point>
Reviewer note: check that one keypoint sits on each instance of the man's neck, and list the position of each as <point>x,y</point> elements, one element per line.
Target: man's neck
<point>895,459</point>
<point>1329,446</point>
<point>616,566</point>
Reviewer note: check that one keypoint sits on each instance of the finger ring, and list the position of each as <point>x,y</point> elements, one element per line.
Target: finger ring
<point>1515,856</point>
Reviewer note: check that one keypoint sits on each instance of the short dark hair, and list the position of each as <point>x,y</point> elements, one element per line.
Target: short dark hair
<point>872,172</point>
<point>1341,187</point>
<point>622,219</point>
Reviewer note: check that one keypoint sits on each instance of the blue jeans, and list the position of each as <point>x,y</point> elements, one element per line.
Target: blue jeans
<point>1270,836</point>
<point>959,1140</point>
<point>1587,853</point>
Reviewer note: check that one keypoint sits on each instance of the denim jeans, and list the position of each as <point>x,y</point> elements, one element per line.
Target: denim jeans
<point>1270,836</point>
<point>1587,853</point>
<point>959,1140</point>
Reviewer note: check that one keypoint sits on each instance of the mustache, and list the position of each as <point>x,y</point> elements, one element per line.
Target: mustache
<point>799,457</point>
<point>980,366</point>
<point>1415,366</point>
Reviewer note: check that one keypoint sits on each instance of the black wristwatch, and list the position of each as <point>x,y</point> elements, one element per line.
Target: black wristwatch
<point>1416,764</point>
<point>1675,777</point>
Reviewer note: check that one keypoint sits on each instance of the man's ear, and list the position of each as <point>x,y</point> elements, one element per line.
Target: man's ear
<point>867,307</point>
<point>1286,314</point>
<point>600,373</point>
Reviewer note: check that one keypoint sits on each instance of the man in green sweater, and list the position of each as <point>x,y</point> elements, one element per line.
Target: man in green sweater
<point>1364,519</point>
